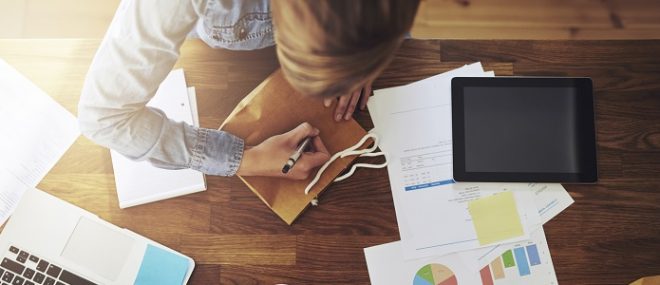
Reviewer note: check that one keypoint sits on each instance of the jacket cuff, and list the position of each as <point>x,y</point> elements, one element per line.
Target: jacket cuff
<point>217,152</point>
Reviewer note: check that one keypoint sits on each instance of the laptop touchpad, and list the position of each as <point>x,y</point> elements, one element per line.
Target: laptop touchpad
<point>98,248</point>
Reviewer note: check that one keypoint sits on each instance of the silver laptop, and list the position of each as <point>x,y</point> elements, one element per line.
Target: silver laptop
<point>51,242</point>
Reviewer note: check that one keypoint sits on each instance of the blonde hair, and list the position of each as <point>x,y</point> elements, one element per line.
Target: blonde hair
<point>332,47</point>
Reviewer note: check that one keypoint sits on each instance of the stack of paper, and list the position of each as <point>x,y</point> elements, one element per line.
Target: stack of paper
<point>139,182</point>
<point>36,130</point>
<point>465,225</point>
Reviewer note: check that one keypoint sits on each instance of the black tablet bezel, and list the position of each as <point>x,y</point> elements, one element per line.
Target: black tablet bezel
<point>586,118</point>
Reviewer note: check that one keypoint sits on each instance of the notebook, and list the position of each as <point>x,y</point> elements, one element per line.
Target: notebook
<point>273,108</point>
<point>139,182</point>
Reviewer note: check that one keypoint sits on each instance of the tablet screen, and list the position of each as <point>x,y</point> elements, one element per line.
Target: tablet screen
<point>523,129</point>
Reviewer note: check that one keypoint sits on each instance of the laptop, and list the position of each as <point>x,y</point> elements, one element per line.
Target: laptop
<point>51,242</point>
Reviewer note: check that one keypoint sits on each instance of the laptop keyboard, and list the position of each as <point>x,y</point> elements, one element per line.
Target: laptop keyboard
<point>19,267</point>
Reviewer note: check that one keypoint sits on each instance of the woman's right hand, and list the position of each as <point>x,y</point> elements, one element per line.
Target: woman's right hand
<point>268,157</point>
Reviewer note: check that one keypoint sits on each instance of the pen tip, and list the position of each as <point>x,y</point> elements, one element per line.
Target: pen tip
<point>285,169</point>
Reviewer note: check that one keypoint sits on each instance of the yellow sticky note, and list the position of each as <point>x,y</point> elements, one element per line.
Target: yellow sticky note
<point>495,218</point>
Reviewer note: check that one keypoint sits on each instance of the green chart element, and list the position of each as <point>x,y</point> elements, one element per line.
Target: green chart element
<point>508,260</point>
<point>426,273</point>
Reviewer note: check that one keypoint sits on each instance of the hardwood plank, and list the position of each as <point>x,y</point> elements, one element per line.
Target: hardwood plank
<point>541,54</point>
<point>631,32</point>
<point>220,188</point>
<point>628,134</point>
<point>177,215</point>
<point>426,31</point>
<point>336,252</point>
<point>446,19</point>
<point>636,13</point>
<point>641,164</point>
<point>207,274</point>
<point>399,72</point>
<point>86,157</point>
<point>248,275</point>
<point>633,105</point>
<point>57,69</point>
<point>517,13</point>
<point>72,20</point>
<point>12,13</point>
<point>609,163</point>
<point>592,254</point>
<point>240,249</point>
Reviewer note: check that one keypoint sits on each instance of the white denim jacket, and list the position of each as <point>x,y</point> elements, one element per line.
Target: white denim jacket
<point>138,51</point>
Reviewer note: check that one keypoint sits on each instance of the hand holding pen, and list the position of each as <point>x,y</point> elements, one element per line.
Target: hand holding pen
<point>296,155</point>
<point>301,149</point>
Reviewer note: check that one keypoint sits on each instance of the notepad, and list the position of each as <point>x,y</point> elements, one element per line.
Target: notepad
<point>161,267</point>
<point>496,218</point>
<point>139,182</point>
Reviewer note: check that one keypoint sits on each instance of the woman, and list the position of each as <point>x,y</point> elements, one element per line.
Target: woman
<point>333,49</point>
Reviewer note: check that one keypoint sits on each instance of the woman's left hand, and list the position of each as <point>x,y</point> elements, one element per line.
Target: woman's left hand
<point>347,103</point>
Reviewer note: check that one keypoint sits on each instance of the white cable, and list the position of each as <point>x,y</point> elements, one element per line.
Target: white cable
<point>367,152</point>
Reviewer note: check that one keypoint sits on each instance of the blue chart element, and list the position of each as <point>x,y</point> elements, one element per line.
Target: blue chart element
<point>420,281</point>
<point>521,259</point>
<point>427,185</point>
<point>161,267</point>
<point>533,254</point>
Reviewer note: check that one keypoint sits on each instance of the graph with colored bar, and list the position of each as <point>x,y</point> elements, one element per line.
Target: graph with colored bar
<point>522,263</point>
<point>435,274</point>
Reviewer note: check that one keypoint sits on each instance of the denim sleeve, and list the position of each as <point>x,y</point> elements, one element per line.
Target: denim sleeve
<point>217,152</point>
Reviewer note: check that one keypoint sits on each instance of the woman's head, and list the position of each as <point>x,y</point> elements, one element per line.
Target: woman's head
<point>333,47</point>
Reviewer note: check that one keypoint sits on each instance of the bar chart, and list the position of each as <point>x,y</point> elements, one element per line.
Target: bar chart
<point>524,263</point>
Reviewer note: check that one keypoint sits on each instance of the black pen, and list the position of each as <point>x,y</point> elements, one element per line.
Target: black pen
<point>296,155</point>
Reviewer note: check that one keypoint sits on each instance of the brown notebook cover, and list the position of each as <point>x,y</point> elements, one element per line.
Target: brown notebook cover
<point>273,108</point>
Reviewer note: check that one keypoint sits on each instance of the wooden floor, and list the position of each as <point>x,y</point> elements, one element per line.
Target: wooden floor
<point>444,19</point>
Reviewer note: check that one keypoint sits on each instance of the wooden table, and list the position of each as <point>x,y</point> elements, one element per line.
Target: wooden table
<point>611,235</point>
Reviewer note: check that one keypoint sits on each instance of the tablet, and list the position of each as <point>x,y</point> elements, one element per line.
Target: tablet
<point>523,129</point>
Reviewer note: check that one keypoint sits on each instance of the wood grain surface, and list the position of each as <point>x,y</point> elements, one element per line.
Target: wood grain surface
<point>611,235</point>
<point>438,19</point>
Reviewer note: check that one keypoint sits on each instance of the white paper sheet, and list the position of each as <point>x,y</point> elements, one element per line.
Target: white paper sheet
<point>36,130</point>
<point>533,265</point>
<point>550,199</point>
<point>11,191</point>
<point>140,182</point>
<point>387,266</point>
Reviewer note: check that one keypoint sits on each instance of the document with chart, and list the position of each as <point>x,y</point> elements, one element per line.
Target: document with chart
<point>550,199</point>
<point>432,211</point>
<point>526,262</point>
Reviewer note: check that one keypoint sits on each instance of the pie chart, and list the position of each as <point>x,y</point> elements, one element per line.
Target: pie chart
<point>435,274</point>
